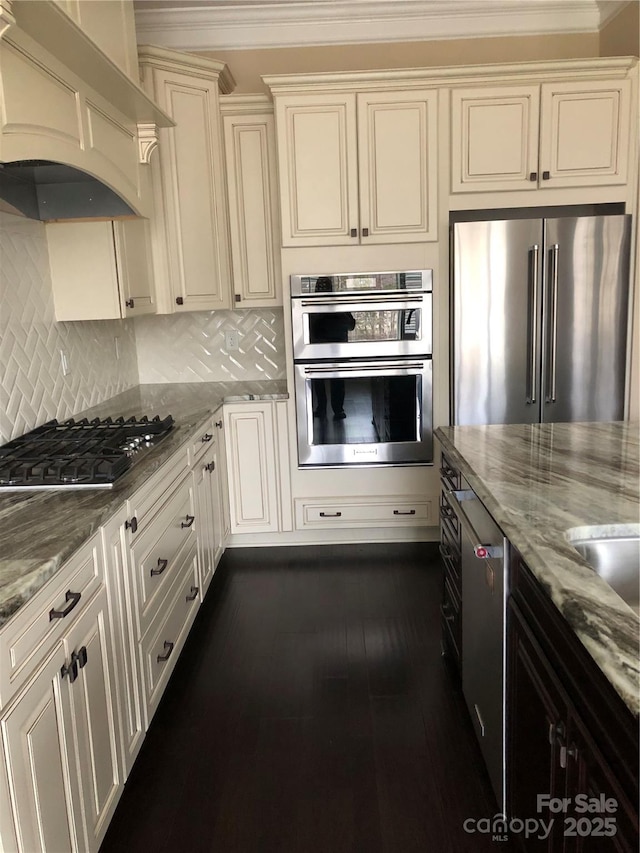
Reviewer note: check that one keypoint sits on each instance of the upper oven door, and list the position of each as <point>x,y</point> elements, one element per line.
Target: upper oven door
<point>364,326</point>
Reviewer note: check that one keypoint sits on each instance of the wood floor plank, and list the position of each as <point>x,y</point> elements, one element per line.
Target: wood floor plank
<point>310,712</point>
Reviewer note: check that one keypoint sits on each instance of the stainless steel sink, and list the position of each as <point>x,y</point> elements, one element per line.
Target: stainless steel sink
<point>613,551</point>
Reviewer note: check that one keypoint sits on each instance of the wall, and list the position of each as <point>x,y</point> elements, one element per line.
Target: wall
<point>621,36</point>
<point>32,387</point>
<point>191,347</point>
<point>248,65</point>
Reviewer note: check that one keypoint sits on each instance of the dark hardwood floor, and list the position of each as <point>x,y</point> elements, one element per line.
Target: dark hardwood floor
<point>311,712</point>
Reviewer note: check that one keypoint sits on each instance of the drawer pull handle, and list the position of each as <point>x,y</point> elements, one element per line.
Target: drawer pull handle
<point>133,524</point>
<point>168,648</point>
<point>404,512</point>
<point>189,521</point>
<point>219,424</point>
<point>210,466</point>
<point>72,598</point>
<point>330,514</point>
<point>207,436</point>
<point>194,593</point>
<point>162,565</point>
<point>130,303</point>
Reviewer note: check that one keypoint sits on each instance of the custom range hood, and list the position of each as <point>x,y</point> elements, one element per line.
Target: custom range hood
<point>45,190</point>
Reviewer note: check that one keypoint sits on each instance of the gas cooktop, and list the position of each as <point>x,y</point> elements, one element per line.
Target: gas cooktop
<point>78,454</point>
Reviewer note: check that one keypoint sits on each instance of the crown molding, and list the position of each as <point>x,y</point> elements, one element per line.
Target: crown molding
<point>221,24</point>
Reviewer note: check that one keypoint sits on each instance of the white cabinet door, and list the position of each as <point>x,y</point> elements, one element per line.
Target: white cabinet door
<point>100,270</point>
<point>203,473</point>
<point>254,218</point>
<point>494,138</point>
<point>397,157</point>
<point>132,239</point>
<point>584,133</point>
<point>357,168</point>
<point>251,467</point>
<point>318,166</point>
<point>565,134</point>
<point>190,234</point>
<point>40,765</point>
<point>92,714</point>
<point>121,590</point>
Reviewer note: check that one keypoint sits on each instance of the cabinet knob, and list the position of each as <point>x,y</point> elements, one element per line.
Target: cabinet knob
<point>533,176</point>
<point>238,297</point>
<point>179,300</point>
<point>131,525</point>
<point>189,519</point>
<point>546,176</point>
<point>130,303</point>
<point>365,232</point>
<point>354,232</point>
<point>70,670</point>
<point>211,466</point>
<point>194,593</point>
<point>207,437</point>
<point>219,424</point>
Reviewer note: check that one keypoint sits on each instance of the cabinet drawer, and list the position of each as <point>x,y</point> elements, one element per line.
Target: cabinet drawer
<point>29,638</point>
<point>162,643</point>
<point>362,513</point>
<point>205,439</point>
<point>148,500</point>
<point>158,551</point>
<point>451,622</point>
<point>449,520</point>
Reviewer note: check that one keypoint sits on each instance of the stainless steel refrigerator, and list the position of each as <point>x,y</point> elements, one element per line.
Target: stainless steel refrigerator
<point>540,311</point>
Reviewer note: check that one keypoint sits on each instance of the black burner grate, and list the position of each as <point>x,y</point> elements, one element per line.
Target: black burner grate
<point>77,453</point>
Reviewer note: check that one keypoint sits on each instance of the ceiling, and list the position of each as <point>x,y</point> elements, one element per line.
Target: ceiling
<point>237,24</point>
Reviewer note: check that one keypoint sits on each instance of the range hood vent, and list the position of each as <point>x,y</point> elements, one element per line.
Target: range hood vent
<point>44,190</point>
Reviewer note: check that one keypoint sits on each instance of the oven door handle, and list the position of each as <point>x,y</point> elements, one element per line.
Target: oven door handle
<point>359,368</point>
<point>415,300</point>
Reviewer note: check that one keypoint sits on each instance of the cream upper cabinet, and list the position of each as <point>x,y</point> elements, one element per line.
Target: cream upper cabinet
<point>397,145</point>
<point>254,214</point>
<point>190,235</point>
<point>357,167</point>
<point>566,134</point>
<point>101,270</point>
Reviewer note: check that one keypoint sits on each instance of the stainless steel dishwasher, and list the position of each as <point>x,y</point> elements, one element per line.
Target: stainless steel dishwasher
<point>484,595</point>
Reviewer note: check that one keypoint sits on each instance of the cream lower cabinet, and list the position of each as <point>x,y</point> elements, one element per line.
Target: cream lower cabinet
<point>60,742</point>
<point>101,270</point>
<point>257,467</point>
<point>190,235</point>
<point>209,503</point>
<point>561,134</point>
<point>357,168</point>
<point>254,214</point>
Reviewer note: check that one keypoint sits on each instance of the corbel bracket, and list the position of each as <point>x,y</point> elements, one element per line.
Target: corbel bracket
<point>147,140</point>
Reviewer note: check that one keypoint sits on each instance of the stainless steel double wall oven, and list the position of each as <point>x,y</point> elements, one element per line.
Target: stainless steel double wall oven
<point>362,345</point>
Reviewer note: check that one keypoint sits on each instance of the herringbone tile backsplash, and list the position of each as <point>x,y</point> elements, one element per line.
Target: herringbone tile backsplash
<point>191,347</point>
<point>32,386</point>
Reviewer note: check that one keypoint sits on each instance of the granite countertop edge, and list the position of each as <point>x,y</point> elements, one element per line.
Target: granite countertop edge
<point>32,547</point>
<point>580,595</point>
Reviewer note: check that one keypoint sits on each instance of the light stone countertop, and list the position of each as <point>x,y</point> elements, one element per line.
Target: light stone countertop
<point>39,531</point>
<point>538,481</point>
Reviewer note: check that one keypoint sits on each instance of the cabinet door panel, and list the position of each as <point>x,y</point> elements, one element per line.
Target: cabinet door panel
<point>38,765</point>
<point>252,469</point>
<point>584,133</point>
<point>318,170</point>
<point>94,718</point>
<point>484,159</point>
<point>196,230</point>
<point>397,163</point>
<point>253,209</point>
<point>133,247</point>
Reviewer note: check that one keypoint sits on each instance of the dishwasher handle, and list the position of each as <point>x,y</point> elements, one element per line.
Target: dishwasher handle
<point>482,550</point>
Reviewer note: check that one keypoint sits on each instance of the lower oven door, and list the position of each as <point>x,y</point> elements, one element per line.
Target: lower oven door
<point>373,412</point>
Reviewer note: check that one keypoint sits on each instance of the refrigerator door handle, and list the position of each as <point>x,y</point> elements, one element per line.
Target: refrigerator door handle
<point>534,285</point>
<point>554,252</point>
